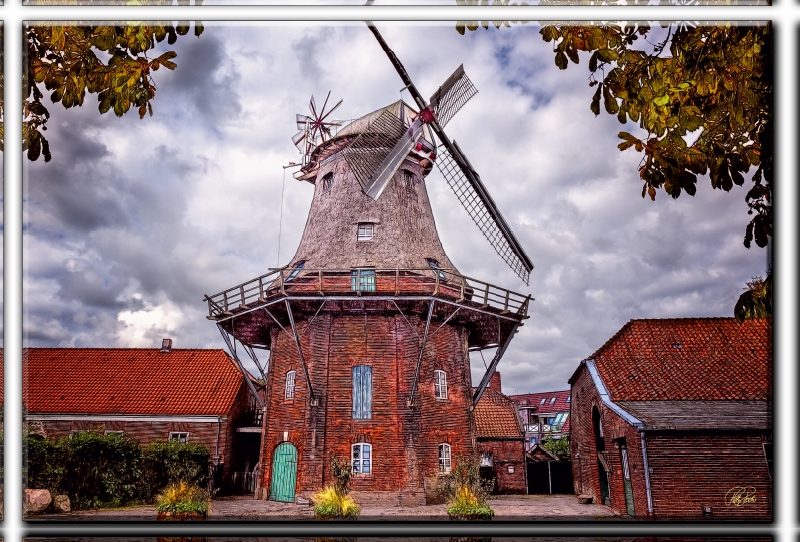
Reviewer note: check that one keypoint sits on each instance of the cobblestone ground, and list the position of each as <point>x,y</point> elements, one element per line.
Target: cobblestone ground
<point>519,508</point>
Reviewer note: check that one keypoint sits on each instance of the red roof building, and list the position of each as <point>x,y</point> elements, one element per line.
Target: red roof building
<point>192,395</point>
<point>672,419</point>
<point>545,415</point>
<point>500,440</point>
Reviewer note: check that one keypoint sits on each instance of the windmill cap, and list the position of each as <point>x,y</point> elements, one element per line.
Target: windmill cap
<point>400,109</point>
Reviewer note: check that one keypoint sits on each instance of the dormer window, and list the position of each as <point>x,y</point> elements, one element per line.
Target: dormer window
<point>297,267</point>
<point>433,264</point>
<point>327,183</point>
<point>366,231</point>
<point>552,400</point>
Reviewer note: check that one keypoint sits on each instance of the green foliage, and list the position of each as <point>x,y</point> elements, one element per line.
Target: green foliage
<point>330,504</point>
<point>181,498</point>
<point>702,97</point>
<point>558,446</point>
<point>466,473</point>
<point>466,505</point>
<point>66,61</point>
<point>756,301</point>
<point>97,470</point>
<point>175,461</point>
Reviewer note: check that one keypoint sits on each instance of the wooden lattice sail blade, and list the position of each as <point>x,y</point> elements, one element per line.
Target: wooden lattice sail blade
<point>456,91</point>
<point>368,151</point>
<point>473,196</point>
<point>380,179</point>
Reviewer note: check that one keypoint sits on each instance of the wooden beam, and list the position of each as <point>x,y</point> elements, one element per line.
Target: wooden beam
<point>245,374</point>
<point>421,350</point>
<point>300,351</point>
<point>493,365</point>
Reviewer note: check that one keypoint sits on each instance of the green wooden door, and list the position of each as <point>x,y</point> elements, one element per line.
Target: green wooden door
<point>626,478</point>
<point>284,473</point>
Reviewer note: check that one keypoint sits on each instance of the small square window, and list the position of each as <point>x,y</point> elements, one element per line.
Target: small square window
<point>181,437</point>
<point>487,460</point>
<point>327,182</point>
<point>569,399</point>
<point>434,264</point>
<point>366,231</point>
<point>362,280</point>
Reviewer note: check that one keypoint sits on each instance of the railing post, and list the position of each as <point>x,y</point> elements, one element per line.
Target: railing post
<point>319,271</point>
<point>241,293</point>
<point>463,289</point>
<point>486,296</point>
<point>261,288</point>
<point>225,300</point>
<point>283,291</point>
<point>505,308</point>
<point>397,281</point>
<point>436,286</point>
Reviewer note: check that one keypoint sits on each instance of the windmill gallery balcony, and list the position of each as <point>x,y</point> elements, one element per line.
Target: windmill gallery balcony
<point>251,309</point>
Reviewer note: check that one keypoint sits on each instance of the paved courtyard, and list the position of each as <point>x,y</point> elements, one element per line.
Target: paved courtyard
<point>516,508</point>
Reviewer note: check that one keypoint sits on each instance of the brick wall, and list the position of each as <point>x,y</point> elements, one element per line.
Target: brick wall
<point>688,470</point>
<point>506,453</point>
<point>404,440</point>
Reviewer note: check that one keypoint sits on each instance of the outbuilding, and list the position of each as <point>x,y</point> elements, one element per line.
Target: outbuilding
<point>672,419</point>
<point>190,395</point>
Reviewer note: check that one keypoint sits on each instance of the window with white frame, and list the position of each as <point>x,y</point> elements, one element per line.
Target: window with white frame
<point>180,436</point>
<point>365,231</point>
<point>440,384</point>
<point>552,400</point>
<point>361,458</point>
<point>543,400</point>
<point>444,458</point>
<point>362,392</point>
<point>409,179</point>
<point>289,392</point>
<point>487,460</point>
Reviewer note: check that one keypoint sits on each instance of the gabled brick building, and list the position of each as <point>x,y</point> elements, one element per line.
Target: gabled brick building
<point>545,415</point>
<point>672,419</point>
<point>150,394</point>
<point>500,440</point>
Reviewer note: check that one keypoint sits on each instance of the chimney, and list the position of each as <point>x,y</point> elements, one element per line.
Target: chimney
<point>166,346</point>
<point>494,382</point>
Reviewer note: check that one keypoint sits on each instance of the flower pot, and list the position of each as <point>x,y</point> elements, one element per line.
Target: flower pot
<point>181,516</point>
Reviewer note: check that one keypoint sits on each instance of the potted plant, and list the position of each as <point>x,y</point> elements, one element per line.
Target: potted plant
<point>183,502</point>
<point>466,492</point>
<point>334,502</point>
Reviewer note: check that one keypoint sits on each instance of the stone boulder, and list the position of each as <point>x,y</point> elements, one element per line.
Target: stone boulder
<point>585,499</point>
<point>61,503</point>
<point>36,501</point>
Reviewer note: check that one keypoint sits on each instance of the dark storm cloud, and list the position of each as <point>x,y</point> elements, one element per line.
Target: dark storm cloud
<point>206,81</point>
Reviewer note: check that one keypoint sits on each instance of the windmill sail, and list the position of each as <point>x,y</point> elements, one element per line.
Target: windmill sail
<point>480,206</point>
<point>368,151</point>
<point>452,95</point>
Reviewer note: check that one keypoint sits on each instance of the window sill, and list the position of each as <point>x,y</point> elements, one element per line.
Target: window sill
<point>288,401</point>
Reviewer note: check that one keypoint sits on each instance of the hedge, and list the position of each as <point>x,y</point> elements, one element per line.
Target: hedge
<point>97,470</point>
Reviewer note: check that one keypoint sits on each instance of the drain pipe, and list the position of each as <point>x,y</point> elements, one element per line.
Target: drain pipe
<point>647,478</point>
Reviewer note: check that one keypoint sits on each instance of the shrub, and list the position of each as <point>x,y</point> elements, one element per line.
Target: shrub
<point>98,471</point>
<point>466,472</point>
<point>342,473</point>
<point>171,462</point>
<point>465,504</point>
<point>183,498</point>
<point>329,503</point>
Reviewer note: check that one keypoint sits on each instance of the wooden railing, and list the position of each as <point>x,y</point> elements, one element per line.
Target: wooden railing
<point>365,283</point>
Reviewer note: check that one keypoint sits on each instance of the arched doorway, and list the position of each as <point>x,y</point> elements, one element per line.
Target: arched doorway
<point>284,473</point>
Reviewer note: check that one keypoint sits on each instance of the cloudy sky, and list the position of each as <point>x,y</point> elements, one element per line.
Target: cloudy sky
<point>133,221</point>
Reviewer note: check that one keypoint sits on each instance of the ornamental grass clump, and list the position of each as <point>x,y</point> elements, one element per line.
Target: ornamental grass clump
<point>466,491</point>
<point>182,501</point>
<point>334,501</point>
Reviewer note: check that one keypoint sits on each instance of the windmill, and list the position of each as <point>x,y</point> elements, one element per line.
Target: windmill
<point>315,129</point>
<point>376,167</point>
<point>370,326</point>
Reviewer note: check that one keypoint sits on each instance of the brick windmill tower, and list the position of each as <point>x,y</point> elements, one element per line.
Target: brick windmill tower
<point>370,325</point>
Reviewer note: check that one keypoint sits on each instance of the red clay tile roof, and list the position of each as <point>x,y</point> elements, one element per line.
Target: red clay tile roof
<point>688,359</point>
<point>129,381</point>
<point>535,400</point>
<point>496,416</point>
